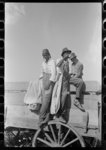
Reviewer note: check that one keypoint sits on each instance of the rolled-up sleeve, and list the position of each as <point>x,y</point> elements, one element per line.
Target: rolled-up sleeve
<point>53,71</point>
<point>79,71</point>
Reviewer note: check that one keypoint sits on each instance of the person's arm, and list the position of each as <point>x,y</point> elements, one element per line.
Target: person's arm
<point>60,62</point>
<point>53,72</point>
<point>79,72</point>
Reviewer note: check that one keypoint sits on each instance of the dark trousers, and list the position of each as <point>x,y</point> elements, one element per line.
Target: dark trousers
<point>45,108</point>
<point>78,83</point>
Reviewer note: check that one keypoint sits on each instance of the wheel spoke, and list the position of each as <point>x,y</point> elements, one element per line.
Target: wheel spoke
<point>49,138</point>
<point>13,134</point>
<point>53,133</point>
<point>45,142</point>
<point>59,134</point>
<point>65,136</point>
<point>70,142</point>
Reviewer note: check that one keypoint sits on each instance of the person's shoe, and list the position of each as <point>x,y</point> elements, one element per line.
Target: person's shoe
<point>56,118</point>
<point>78,105</point>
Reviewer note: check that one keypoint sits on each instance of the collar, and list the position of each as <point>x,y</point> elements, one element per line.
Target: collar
<point>75,62</point>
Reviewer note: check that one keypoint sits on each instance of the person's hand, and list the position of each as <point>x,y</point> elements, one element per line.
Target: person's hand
<point>52,84</point>
<point>47,84</point>
<point>71,75</point>
<point>66,57</point>
<point>50,87</point>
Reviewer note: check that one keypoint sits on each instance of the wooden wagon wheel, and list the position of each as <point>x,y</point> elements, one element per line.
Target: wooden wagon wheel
<point>57,134</point>
<point>10,135</point>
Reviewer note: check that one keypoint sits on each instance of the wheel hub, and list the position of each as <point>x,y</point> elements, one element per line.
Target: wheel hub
<point>56,145</point>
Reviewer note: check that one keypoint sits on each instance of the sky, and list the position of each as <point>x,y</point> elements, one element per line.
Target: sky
<point>31,27</point>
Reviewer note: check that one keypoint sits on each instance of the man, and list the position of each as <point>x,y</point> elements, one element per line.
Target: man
<point>76,79</point>
<point>48,76</point>
<point>63,68</point>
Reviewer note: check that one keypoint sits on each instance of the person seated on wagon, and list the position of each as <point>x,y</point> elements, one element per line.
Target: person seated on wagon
<point>76,79</point>
<point>48,75</point>
<point>63,66</point>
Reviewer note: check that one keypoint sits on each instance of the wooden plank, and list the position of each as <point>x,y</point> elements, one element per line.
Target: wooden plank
<point>20,116</point>
<point>22,86</point>
<point>19,111</point>
<point>18,98</point>
<point>77,116</point>
<point>21,122</point>
<point>14,98</point>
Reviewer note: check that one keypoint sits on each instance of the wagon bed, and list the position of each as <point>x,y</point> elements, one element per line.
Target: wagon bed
<point>17,115</point>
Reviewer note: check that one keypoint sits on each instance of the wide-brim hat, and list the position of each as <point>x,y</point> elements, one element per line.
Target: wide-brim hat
<point>64,50</point>
<point>73,55</point>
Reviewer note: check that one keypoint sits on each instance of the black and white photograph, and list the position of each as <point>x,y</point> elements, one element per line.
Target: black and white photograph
<point>53,75</point>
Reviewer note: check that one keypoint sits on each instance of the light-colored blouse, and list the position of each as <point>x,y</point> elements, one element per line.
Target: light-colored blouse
<point>50,68</point>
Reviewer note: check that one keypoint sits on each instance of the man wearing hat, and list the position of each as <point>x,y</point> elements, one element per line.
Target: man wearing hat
<point>48,76</point>
<point>76,79</point>
<point>63,68</point>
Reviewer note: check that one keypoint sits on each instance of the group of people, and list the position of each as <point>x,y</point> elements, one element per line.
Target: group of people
<point>51,72</point>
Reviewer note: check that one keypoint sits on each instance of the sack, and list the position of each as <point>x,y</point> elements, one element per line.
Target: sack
<point>46,81</point>
<point>55,102</point>
<point>34,107</point>
<point>33,97</point>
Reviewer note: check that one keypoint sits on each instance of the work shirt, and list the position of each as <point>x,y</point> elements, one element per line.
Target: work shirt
<point>77,69</point>
<point>49,68</point>
<point>63,69</point>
